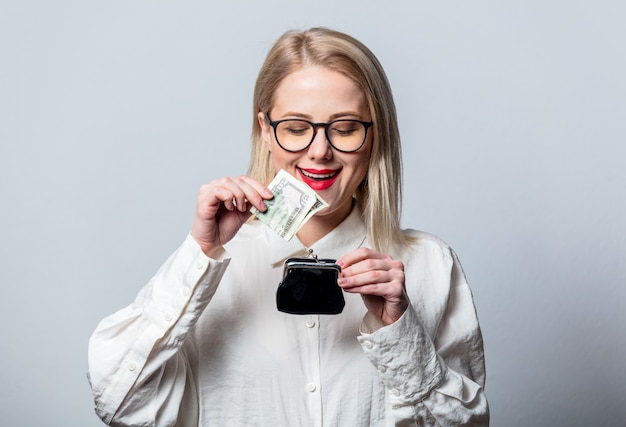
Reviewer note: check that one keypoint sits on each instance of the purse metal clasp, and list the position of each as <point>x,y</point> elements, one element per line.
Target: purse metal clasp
<point>311,254</point>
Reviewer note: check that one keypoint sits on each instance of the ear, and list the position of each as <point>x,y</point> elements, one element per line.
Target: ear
<point>266,132</point>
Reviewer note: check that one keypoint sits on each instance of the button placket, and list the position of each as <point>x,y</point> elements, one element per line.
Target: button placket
<point>311,326</point>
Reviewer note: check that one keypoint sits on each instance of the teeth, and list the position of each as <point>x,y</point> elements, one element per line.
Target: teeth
<point>318,176</point>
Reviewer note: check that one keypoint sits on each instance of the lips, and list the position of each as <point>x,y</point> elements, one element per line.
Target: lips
<point>319,179</point>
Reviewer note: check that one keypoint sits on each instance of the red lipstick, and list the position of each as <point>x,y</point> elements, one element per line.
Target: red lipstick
<point>319,179</point>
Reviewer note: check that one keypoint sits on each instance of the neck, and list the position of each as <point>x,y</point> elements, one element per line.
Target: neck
<point>320,225</point>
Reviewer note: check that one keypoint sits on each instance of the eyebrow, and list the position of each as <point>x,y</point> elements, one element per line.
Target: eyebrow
<point>331,118</point>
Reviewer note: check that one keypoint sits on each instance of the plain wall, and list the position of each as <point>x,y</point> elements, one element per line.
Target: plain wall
<point>513,118</point>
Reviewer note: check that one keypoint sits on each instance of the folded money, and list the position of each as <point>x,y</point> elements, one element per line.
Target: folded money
<point>294,203</point>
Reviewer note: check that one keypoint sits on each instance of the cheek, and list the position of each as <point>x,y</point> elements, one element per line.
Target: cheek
<point>280,158</point>
<point>362,173</point>
<point>364,165</point>
<point>364,169</point>
<point>359,172</point>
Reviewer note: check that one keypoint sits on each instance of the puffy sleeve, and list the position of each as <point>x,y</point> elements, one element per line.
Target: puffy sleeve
<point>139,370</point>
<point>431,360</point>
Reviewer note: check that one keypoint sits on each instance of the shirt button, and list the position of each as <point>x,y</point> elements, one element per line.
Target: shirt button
<point>311,387</point>
<point>199,264</point>
<point>132,366</point>
<point>310,323</point>
<point>382,369</point>
<point>368,344</point>
<point>186,291</point>
<point>168,317</point>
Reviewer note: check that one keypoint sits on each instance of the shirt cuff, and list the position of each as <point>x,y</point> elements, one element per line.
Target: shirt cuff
<point>459,387</point>
<point>177,282</point>
<point>405,357</point>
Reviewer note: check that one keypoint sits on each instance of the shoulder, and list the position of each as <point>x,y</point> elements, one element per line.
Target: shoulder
<point>421,242</point>
<point>432,256</point>
<point>424,250</point>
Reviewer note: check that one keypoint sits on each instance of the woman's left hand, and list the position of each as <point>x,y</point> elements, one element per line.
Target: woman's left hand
<point>379,279</point>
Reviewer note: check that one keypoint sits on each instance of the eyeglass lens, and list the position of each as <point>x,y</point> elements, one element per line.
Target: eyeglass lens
<point>344,135</point>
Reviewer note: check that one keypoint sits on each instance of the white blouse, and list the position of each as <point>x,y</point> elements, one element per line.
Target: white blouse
<point>204,345</point>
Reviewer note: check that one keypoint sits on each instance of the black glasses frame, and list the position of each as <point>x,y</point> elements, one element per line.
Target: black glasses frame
<point>274,124</point>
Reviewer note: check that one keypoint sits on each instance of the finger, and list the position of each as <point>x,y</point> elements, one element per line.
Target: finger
<point>212,196</point>
<point>225,197</point>
<point>382,293</point>
<point>392,277</point>
<point>358,255</point>
<point>260,188</point>
<point>254,193</point>
<point>241,191</point>
<point>374,270</point>
<point>369,264</point>
<point>233,193</point>
<point>392,292</point>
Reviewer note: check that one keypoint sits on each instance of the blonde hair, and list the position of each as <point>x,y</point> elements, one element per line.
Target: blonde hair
<point>380,194</point>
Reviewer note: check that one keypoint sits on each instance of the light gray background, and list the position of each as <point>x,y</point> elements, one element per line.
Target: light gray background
<point>513,117</point>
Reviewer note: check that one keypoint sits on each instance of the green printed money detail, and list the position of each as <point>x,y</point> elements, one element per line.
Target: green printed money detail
<point>293,204</point>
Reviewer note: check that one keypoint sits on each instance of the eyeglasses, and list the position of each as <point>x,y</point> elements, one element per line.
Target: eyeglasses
<point>344,135</point>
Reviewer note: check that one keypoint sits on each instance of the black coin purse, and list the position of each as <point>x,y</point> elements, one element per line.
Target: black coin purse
<point>309,286</point>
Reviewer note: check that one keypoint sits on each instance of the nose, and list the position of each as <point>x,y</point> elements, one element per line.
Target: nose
<point>320,148</point>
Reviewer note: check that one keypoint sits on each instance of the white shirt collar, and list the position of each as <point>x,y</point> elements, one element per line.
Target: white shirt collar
<point>346,237</point>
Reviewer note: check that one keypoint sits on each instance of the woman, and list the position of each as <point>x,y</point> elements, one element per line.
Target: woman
<point>203,343</point>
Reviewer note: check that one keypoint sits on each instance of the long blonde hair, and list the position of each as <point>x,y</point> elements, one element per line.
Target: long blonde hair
<point>380,194</point>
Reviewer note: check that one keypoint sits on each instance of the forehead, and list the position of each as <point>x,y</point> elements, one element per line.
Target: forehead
<point>316,90</point>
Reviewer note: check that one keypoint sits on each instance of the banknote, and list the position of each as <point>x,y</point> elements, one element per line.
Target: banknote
<point>293,204</point>
<point>318,206</point>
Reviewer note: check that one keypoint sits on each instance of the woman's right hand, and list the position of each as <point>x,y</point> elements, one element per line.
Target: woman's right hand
<point>223,206</point>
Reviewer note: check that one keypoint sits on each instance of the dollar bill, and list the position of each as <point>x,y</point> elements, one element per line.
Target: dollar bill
<point>294,203</point>
<point>318,206</point>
